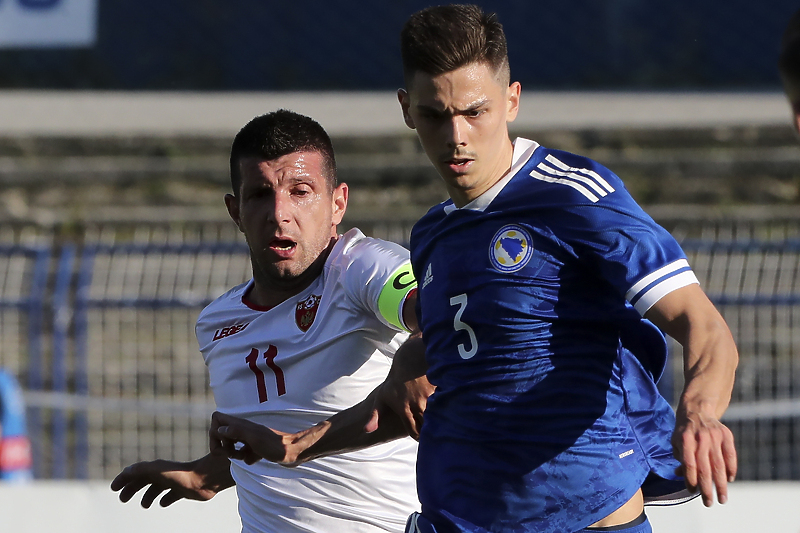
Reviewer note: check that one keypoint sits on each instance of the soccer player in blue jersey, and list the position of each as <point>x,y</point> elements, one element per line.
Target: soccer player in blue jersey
<point>15,446</point>
<point>541,283</point>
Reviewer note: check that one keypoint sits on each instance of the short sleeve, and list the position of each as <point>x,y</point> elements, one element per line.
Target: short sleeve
<point>620,241</point>
<point>379,278</point>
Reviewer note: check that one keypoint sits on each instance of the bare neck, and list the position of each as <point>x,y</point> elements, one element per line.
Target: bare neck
<point>463,196</point>
<point>267,291</point>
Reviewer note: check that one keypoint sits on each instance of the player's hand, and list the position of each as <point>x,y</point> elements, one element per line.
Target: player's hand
<point>179,480</point>
<point>407,400</point>
<point>237,438</point>
<point>405,390</point>
<point>704,447</point>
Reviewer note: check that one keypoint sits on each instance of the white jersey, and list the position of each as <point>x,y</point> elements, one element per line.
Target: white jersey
<point>301,362</point>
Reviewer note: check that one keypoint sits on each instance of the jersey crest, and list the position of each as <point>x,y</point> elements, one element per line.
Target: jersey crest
<point>306,312</point>
<point>511,248</point>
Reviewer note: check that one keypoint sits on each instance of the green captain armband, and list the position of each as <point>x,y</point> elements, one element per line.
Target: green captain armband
<point>394,294</point>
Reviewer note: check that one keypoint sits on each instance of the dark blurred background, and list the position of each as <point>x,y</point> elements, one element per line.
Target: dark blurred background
<point>323,45</point>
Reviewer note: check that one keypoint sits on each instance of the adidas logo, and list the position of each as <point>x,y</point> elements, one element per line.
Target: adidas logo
<point>428,276</point>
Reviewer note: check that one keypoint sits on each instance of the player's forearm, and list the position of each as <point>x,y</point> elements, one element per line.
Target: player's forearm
<point>409,362</point>
<point>344,432</point>
<point>710,360</point>
<point>709,352</point>
<point>404,386</point>
<point>213,471</point>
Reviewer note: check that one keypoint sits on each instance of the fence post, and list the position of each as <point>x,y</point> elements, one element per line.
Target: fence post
<point>35,309</point>
<point>82,296</point>
<point>61,321</point>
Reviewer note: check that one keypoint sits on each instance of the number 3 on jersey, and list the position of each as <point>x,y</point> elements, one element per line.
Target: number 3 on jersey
<point>458,325</point>
<point>261,385</point>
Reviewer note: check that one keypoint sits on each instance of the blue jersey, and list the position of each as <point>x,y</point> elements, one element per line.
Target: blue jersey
<point>15,448</point>
<point>546,416</point>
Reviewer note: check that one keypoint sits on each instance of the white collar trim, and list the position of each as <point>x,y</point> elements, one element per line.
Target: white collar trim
<point>523,150</point>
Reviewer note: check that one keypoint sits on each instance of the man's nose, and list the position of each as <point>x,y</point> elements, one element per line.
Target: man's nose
<point>281,208</point>
<point>457,131</point>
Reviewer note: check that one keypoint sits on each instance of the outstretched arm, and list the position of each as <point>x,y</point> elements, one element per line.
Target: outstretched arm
<point>372,421</point>
<point>237,438</point>
<point>702,443</point>
<point>200,480</point>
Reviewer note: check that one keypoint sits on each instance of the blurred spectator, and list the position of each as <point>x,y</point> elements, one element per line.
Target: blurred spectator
<point>789,66</point>
<point>15,448</point>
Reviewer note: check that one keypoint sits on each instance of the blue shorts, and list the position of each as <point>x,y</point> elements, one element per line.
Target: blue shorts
<point>639,525</point>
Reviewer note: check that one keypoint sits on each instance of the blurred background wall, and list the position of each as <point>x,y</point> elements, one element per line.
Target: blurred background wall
<point>319,45</point>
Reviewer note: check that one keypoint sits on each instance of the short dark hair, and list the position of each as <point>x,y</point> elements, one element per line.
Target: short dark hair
<point>442,39</point>
<point>789,62</point>
<point>277,134</point>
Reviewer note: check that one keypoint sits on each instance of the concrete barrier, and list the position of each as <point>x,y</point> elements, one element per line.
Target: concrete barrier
<point>98,113</point>
<point>91,507</point>
<point>765,507</point>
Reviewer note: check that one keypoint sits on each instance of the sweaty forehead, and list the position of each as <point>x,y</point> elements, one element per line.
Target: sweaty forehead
<point>304,166</point>
<point>462,88</point>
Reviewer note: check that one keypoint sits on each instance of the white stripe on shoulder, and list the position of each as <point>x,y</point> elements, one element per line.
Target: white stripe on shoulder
<point>652,296</point>
<point>563,166</point>
<point>583,179</point>
<point>651,277</point>
<point>577,186</point>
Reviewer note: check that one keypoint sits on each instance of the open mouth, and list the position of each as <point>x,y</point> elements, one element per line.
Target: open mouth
<point>458,164</point>
<point>282,246</point>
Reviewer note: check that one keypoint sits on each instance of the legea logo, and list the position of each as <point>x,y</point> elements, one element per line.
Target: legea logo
<point>228,331</point>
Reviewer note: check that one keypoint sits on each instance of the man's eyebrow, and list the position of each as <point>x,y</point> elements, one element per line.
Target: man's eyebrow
<point>258,186</point>
<point>476,105</point>
<point>303,178</point>
<point>471,107</point>
<point>430,108</point>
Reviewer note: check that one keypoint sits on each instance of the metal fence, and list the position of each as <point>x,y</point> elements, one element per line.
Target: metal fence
<point>134,315</point>
<point>756,286</point>
<point>100,330</point>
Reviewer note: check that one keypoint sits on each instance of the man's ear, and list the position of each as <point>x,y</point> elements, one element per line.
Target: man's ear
<point>405,104</point>
<point>340,195</point>
<point>232,203</point>
<point>513,95</point>
<point>796,115</point>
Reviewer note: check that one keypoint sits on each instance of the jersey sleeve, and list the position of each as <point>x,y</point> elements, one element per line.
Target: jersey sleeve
<point>618,239</point>
<point>379,278</point>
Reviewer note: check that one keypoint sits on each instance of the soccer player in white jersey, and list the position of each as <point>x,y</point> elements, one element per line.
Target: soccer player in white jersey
<point>540,284</point>
<point>312,333</point>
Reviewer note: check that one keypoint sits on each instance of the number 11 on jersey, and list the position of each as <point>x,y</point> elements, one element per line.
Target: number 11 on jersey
<point>261,385</point>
